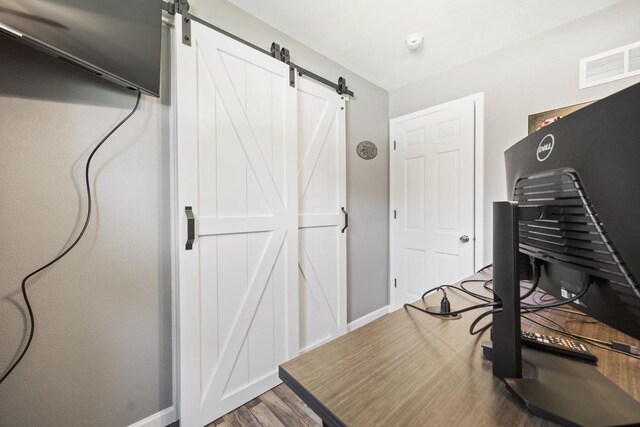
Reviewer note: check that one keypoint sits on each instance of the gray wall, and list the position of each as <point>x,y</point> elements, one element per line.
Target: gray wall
<point>101,355</point>
<point>534,75</point>
<point>367,181</point>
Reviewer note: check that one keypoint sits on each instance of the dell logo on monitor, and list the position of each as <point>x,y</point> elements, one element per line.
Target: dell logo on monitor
<point>545,147</point>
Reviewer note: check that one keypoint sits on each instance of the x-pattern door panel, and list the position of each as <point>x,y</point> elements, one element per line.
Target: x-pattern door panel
<point>237,160</point>
<point>322,195</point>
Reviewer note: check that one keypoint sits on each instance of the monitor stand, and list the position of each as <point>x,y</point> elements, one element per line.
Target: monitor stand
<point>559,389</point>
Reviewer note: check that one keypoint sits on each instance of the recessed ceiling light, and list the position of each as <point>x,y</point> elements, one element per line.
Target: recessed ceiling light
<point>414,41</point>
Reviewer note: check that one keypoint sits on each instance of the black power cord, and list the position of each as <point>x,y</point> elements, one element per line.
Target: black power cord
<point>445,310</point>
<point>71,246</point>
<point>532,307</point>
<point>484,268</point>
<point>477,320</point>
<point>445,306</point>
<point>460,289</point>
<point>613,346</point>
<point>451,313</point>
<point>536,278</point>
<point>473,294</point>
<point>526,308</point>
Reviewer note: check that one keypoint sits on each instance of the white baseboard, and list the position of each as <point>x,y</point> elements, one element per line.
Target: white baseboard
<point>368,318</point>
<point>159,419</point>
<point>316,345</point>
<point>169,415</point>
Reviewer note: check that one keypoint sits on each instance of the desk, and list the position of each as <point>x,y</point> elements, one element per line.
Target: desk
<point>411,369</point>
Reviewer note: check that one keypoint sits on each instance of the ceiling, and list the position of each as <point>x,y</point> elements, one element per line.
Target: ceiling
<point>368,36</point>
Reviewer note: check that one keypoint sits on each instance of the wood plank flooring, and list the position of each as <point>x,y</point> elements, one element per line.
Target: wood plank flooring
<point>279,407</point>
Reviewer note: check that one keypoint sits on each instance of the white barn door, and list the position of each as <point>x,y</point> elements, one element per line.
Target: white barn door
<point>237,169</point>
<point>322,198</point>
<point>434,189</point>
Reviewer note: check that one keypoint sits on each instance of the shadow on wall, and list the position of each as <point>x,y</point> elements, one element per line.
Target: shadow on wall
<point>85,88</point>
<point>20,67</point>
<point>140,149</point>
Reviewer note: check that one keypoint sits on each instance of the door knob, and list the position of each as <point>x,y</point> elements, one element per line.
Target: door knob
<point>464,239</point>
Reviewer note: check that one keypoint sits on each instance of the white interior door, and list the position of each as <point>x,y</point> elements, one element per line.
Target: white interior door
<point>434,198</point>
<point>322,196</point>
<point>237,169</point>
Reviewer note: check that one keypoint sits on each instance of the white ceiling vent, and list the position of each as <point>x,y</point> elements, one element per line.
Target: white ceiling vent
<point>612,65</point>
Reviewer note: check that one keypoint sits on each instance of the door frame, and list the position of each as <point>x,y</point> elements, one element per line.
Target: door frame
<point>478,155</point>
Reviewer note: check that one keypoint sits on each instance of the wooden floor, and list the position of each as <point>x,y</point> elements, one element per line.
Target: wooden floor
<point>279,407</point>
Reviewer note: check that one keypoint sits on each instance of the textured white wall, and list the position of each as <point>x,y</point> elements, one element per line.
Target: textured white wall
<point>101,355</point>
<point>534,75</point>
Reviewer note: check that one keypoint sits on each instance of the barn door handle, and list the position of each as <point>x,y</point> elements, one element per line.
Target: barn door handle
<point>346,220</point>
<point>191,227</point>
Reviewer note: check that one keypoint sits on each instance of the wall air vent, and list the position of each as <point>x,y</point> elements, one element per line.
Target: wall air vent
<point>634,59</point>
<point>611,65</point>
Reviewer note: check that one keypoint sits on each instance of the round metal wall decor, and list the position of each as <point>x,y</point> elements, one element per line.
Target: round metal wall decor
<point>367,150</point>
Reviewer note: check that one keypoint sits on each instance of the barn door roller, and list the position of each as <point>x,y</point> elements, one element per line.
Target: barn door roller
<point>181,7</point>
<point>281,54</point>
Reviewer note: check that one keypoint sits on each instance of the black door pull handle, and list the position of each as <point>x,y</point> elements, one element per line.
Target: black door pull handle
<point>346,219</point>
<point>191,227</point>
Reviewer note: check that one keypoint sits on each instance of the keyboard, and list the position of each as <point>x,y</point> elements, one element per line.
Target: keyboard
<point>558,345</point>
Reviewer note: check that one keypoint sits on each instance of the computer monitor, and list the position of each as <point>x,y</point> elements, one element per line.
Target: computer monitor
<point>585,171</point>
<point>575,191</point>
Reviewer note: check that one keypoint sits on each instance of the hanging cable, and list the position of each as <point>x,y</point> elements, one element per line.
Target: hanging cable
<point>526,309</point>
<point>488,302</point>
<point>536,278</point>
<point>558,309</point>
<point>32,327</point>
<point>479,318</point>
<point>605,345</point>
<point>451,313</point>
<point>476,295</point>
<point>459,289</point>
<point>484,268</point>
<point>558,303</point>
<point>487,287</point>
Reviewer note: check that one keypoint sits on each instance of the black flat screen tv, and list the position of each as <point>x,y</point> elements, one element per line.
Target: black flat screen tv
<point>116,39</point>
